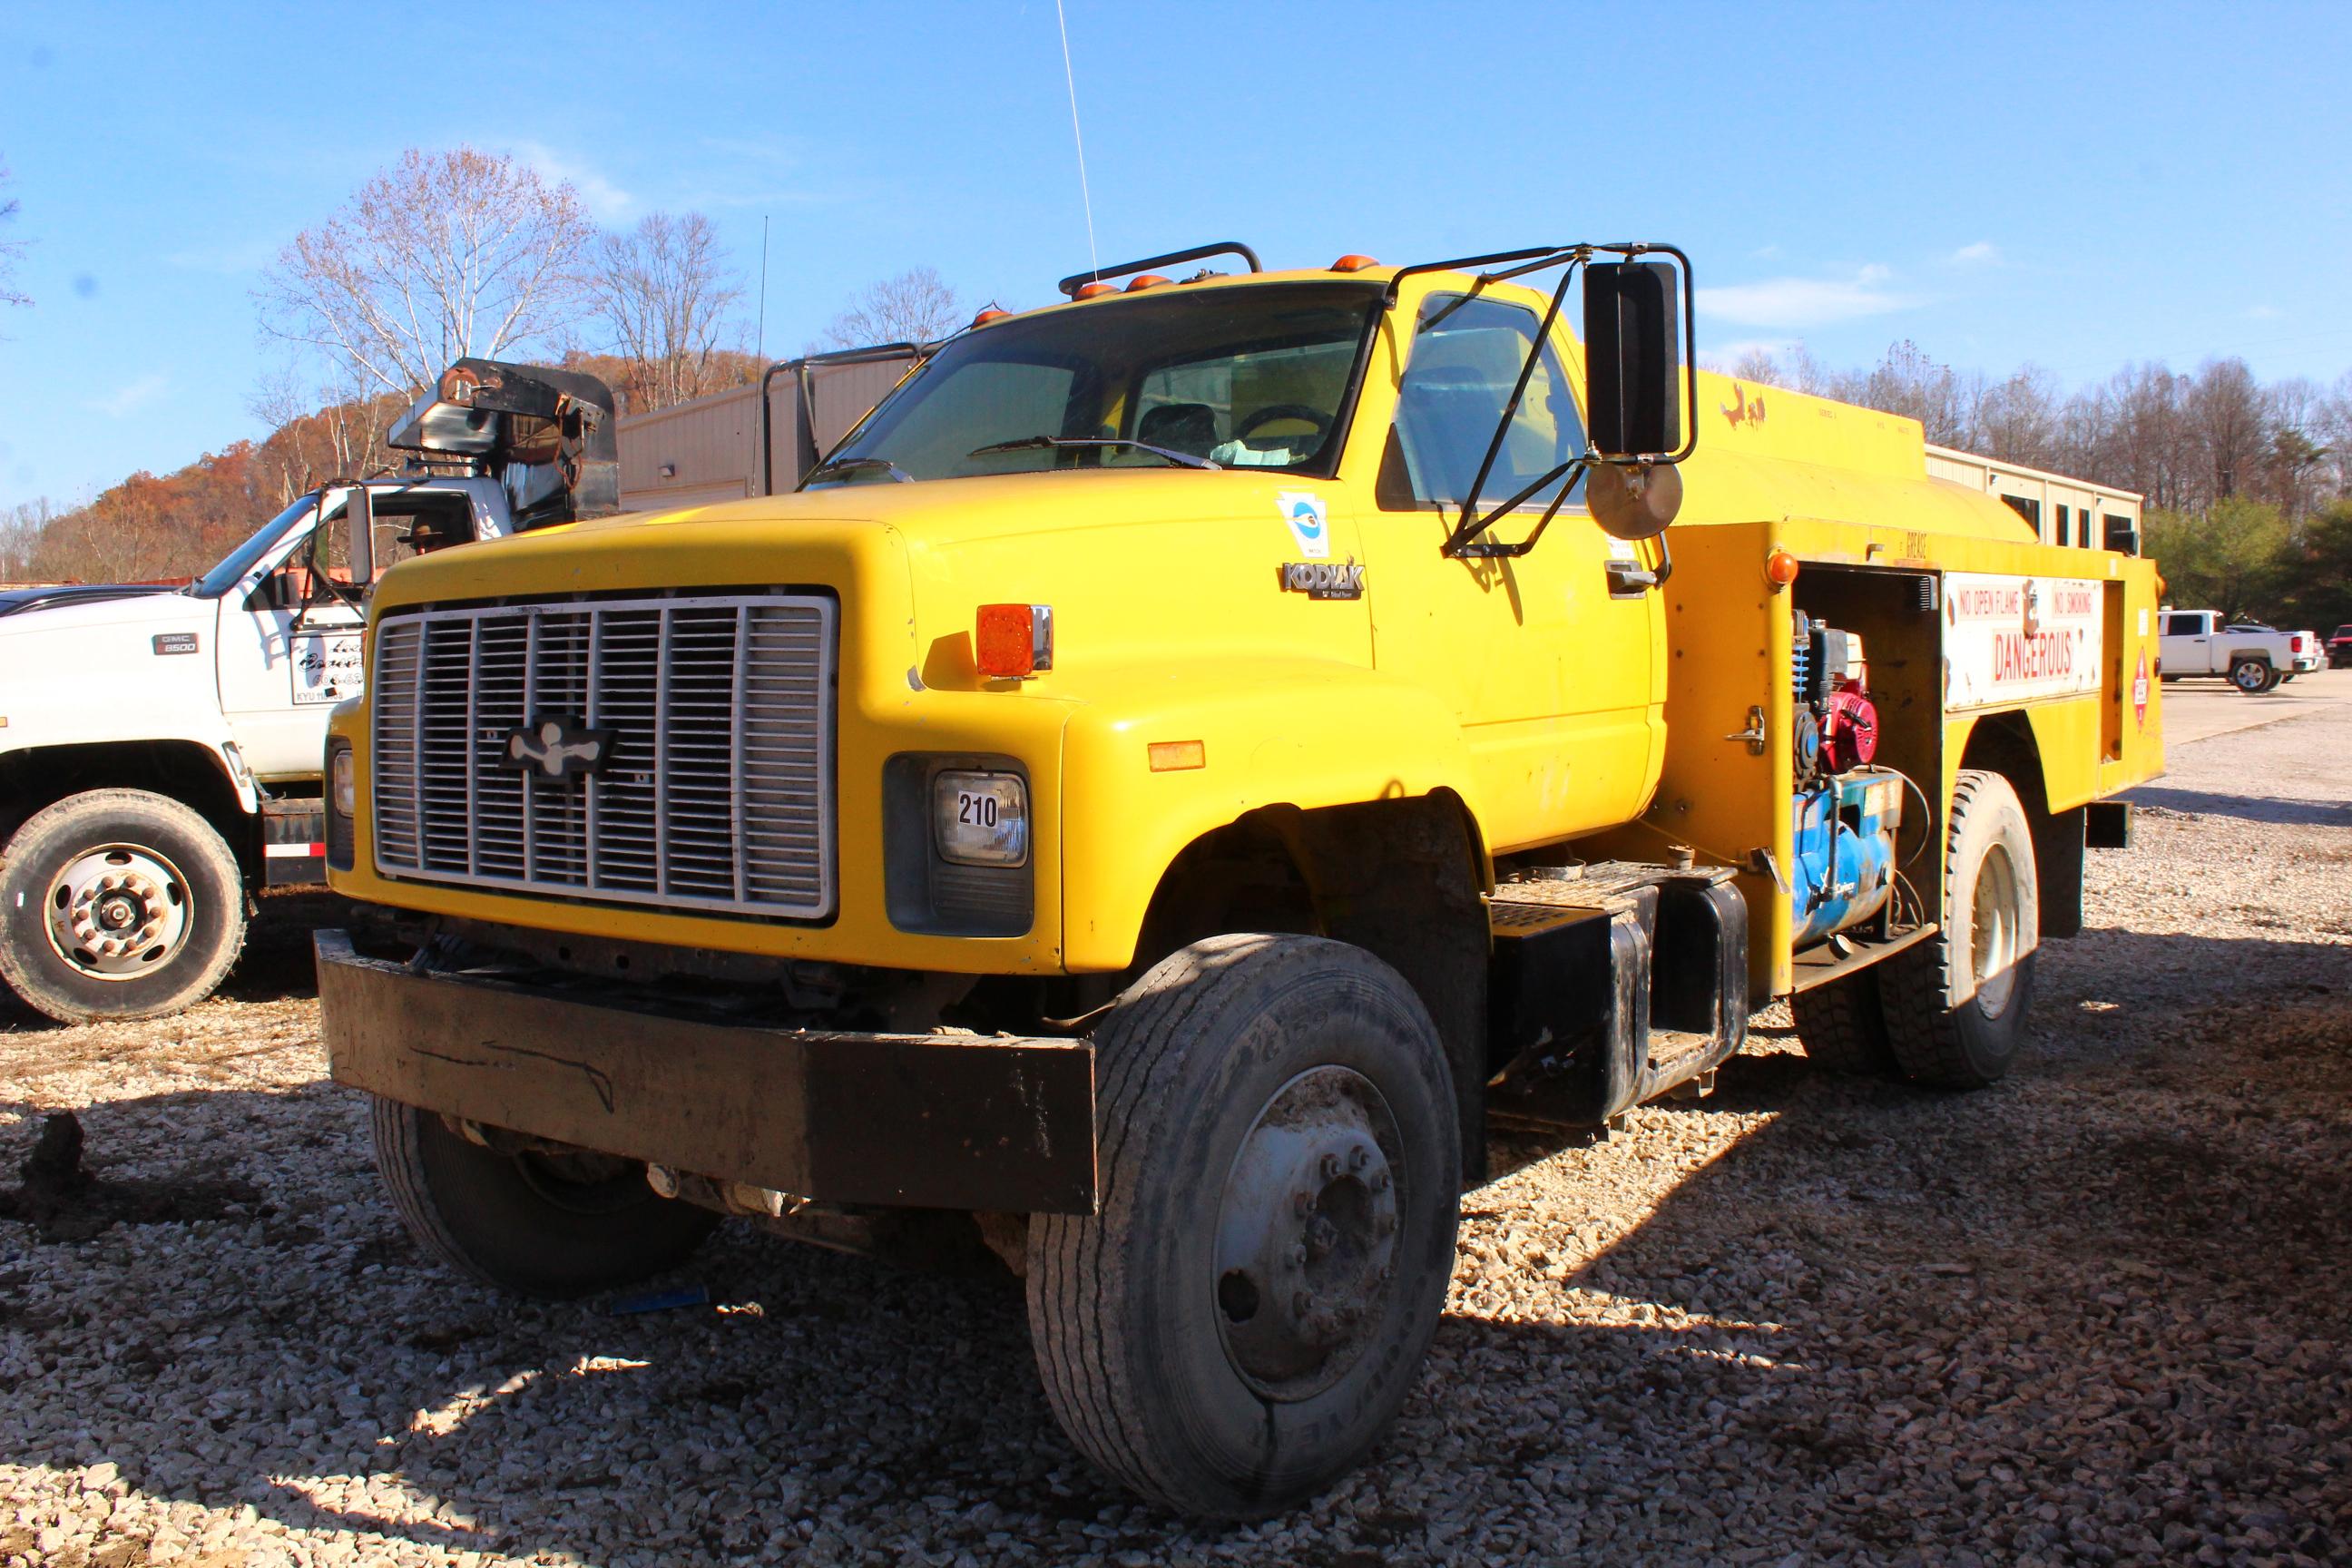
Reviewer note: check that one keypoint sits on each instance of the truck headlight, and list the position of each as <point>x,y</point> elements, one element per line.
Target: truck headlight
<point>344,778</point>
<point>980,818</point>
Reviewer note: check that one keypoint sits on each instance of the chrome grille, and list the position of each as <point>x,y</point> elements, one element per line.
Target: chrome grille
<point>716,787</point>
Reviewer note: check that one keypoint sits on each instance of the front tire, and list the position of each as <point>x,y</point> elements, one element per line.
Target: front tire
<point>1956,1003</point>
<point>537,1225</point>
<point>118,903</point>
<point>1244,1315</point>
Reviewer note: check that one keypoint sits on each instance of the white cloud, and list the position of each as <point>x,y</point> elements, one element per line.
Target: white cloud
<point>1724,357</point>
<point>1983,253</point>
<point>131,399</point>
<point>605,200</point>
<point>1795,303</point>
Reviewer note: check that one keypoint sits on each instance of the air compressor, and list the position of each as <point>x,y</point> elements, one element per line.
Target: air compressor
<point>1846,811</point>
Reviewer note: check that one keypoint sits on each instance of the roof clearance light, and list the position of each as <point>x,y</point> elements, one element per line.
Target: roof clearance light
<point>990,314</point>
<point>1351,262</point>
<point>1146,280</point>
<point>1089,290</point>
<point>1780,569</point>
<point>1013,642</point>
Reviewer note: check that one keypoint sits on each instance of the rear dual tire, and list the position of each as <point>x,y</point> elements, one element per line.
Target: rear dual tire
<point>1950,1011</point>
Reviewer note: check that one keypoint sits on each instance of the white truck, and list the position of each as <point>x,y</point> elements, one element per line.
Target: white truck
<point>160,750</point>
<point>2253,659</point>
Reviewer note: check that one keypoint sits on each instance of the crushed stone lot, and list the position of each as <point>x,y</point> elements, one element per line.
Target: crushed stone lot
<point>2096,1314</point>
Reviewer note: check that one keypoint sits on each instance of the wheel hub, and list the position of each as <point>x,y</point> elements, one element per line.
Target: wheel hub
<point>116,912</point>
<point>1307,1235</point>
<point>1993,932</point>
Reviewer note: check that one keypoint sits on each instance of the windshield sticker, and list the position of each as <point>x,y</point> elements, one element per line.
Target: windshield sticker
<point>1309,525</point>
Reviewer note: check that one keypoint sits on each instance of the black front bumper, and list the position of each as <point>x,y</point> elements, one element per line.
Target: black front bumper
<point>957,1122</point>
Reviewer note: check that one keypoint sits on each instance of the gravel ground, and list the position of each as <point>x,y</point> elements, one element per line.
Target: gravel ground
<point>2098,1314</point>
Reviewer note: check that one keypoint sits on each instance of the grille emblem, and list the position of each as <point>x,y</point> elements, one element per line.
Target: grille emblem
<point>557,748</point>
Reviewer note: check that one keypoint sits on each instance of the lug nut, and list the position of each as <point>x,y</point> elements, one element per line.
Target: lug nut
<point>1357,1158</point>
<point>1302,1302</point>
<point>1298,1256</point>
<point>1388,1272</point>
<point>1387,1225</point>
<point>1379,1182</point>
<point>1330,1167</point>
<point>1302,1204</point>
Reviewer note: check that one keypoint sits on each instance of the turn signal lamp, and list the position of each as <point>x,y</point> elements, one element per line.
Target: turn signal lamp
<point>1780,569</point>
<point>1145,280</point>
<point>1351,262</point>
<point>1013,642</point>
<point>1089,290</point>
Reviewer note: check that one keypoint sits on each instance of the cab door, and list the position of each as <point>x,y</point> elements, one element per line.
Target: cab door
<point>1553,662</point>
<point>288,651</point>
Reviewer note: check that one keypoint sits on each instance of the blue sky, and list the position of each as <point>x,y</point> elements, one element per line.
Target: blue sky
<point>2074,184</point>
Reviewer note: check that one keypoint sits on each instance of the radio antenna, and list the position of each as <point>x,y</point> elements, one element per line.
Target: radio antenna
<point>1094,256</point>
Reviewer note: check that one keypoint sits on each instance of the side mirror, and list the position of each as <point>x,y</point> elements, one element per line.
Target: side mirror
<point>1633,362</point>
<point>358,523</point>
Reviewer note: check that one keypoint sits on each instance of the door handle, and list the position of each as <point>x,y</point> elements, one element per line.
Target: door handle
<point>1631,579</point>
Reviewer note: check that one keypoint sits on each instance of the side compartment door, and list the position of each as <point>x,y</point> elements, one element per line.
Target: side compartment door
<point>1556,672</point>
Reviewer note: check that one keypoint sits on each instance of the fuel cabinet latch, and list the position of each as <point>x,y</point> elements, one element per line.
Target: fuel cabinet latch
<point>1754,733</point>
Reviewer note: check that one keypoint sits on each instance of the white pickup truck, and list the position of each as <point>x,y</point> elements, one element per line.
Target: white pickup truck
<point>160,750</point>
<point>2255,659</point>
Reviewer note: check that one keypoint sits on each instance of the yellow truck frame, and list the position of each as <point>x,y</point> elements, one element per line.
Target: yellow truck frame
<point>1153,853</point>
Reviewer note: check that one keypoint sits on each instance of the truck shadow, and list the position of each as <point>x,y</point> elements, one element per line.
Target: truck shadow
<point>2246,807</point>
<point>2133,1254</point>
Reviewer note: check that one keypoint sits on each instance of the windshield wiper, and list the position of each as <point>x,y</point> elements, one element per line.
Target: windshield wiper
<point>849,465</point>
<point>1028,443</point>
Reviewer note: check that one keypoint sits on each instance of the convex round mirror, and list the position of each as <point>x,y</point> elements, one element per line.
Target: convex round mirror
<point>1633,501</point>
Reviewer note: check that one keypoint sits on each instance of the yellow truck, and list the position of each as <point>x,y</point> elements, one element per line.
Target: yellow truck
<point>1185,760</point>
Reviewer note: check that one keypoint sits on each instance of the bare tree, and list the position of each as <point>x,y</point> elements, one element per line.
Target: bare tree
<point>20,537</point>
<point>663,294</point>
<point>444,255</point>
<point>2226,405</point>
<point>11,251</point>
<point>915,307</point>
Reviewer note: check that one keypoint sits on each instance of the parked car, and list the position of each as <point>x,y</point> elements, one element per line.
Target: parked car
<point>2339,648</point>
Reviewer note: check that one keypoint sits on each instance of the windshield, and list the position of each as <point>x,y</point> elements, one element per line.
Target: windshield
<point>1242,377</point>
<point>238,561</point>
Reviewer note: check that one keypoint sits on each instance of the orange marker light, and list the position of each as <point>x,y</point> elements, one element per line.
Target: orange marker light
<point>1089,290</point>
<point>1351,262</point>
<point>1780,569</point>
<point>1175,756</point>
<point>990,314</point>
<point>1013,642</point>
<point>1146,280</point>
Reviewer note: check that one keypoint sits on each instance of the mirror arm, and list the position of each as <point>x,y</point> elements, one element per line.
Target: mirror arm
<point>1519,395</point>
<point>1462,544</point>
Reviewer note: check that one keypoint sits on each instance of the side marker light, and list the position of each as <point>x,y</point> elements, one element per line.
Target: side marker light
<point>1013,642</point>
<point>1175,756</point>
<point>1780,569</point>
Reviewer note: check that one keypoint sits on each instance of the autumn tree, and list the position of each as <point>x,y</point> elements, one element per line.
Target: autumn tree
<point>663,295</point>
<point>442,256</point>
<point>915,307</point>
